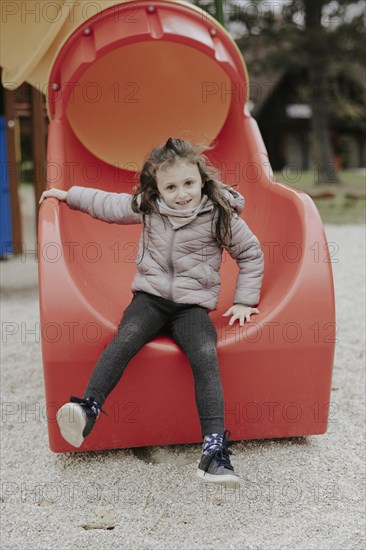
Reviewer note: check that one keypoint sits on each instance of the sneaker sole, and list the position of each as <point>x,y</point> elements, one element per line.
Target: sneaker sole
<point>71,420</point>
<point>227,479</point>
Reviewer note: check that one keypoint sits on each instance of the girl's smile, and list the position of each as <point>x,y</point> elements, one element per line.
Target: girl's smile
<point>180,185</point>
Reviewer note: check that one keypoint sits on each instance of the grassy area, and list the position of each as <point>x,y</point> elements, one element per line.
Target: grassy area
<point>339,209</point>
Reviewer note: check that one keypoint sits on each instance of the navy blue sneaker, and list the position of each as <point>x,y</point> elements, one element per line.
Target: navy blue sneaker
<point>215,466</point>
<point>76,419</point>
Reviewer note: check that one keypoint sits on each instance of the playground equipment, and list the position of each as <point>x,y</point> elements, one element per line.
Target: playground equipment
<point>119,83</point>
<point>5,206</point>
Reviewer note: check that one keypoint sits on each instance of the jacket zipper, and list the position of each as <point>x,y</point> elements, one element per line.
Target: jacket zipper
<point>170,264</point>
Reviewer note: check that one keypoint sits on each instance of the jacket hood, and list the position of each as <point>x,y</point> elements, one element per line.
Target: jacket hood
<point>235,199</point>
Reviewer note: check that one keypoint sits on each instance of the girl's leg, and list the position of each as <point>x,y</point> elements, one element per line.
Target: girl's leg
<point>141,321</point>
<point>194,332</point>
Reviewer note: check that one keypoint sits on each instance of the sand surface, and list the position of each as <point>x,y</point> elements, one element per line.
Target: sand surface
<point>303,493</point>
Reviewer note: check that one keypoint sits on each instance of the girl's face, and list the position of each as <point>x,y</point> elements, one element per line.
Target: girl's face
<point>180,185</point>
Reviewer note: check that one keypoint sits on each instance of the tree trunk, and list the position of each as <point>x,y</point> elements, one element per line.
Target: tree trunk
<point>321,150</point>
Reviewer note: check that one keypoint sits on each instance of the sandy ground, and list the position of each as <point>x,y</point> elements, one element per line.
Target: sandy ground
<point>301,493</point>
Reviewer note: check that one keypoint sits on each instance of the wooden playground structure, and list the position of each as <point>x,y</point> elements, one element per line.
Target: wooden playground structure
<point>25,117</point>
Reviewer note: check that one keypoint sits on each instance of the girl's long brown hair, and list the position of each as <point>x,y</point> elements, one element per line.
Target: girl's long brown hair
<point>146,192</point>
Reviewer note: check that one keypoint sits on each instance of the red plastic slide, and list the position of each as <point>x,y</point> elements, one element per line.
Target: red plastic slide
<point>123,82</point>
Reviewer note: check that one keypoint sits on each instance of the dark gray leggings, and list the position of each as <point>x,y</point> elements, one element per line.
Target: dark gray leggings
<point>190,327</point>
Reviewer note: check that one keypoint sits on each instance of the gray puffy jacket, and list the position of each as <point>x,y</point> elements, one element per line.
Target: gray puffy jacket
<point>182,264</point>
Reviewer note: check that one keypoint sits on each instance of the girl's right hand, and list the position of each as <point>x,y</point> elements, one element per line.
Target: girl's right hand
<point>56,193</point>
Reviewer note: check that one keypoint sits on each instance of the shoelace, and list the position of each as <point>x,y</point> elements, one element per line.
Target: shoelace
<point>222,454</point>
<point>87,402</point>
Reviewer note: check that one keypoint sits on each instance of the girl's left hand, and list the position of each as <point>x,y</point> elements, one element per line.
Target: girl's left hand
<point>241,312</point>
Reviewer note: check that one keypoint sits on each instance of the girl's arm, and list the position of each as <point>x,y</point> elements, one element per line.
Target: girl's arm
<point>245,249</point>
<point>101,205</point>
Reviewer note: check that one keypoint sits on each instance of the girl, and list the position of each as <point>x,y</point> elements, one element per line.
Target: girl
<point>189,216</point>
